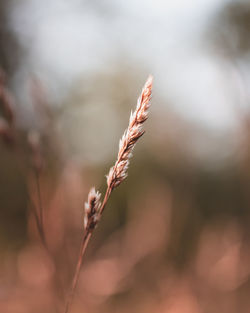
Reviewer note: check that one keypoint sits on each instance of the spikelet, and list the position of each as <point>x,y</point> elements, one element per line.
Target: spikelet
<point>91,209</point>
<point>118,172</point>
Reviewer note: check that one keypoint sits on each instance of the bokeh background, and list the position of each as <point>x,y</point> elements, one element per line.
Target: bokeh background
<point>175,235</point>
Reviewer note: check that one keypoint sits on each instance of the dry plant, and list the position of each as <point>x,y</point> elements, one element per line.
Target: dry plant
<point>9,135</point>
<point>94,207</point>
<point>7,104</point>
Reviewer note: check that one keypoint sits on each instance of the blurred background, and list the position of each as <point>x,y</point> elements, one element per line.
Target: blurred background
<point>175,235</point>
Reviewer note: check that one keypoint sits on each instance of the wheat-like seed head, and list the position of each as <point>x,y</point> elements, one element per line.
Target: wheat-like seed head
<point>134,131</point>
<point>91,209</point>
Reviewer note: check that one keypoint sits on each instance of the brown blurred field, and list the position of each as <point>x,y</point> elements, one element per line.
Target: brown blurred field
<point>175,235</point>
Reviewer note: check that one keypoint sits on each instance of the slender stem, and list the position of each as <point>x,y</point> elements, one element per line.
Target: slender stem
<point>105,200</point>
<point>85,240</point>
<point>40,207</point>
<point>32,206</point>
<point>83,247</point>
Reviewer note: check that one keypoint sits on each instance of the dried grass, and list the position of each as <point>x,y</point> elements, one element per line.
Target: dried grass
<point>93,207</point>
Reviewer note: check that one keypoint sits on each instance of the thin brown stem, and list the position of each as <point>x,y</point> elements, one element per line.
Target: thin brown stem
<point>40,207</point>
<point>105,200</point>
<point>33,209</point>
<point>86,237</point>
<point>83,247</point>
